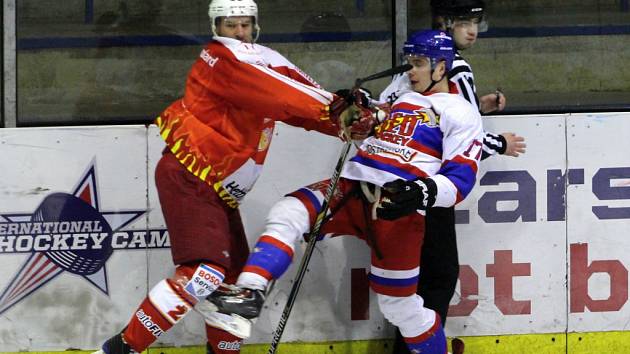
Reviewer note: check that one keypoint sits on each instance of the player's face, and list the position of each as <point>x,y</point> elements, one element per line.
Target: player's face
<point>237,27</point>
<point>420,73</point>
<point>465,31</point>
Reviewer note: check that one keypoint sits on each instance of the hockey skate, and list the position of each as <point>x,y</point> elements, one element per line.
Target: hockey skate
<point>232,300</point>
<point>115,345</point>
<point>232,323</point>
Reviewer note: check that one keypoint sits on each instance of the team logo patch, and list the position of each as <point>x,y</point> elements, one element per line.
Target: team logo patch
<point>68,232</point>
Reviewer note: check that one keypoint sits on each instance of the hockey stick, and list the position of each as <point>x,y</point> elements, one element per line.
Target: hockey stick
<point>312,236</point>
<point>389,72</point>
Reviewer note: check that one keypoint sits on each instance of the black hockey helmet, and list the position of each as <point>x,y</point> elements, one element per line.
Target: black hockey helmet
<point>451,10</point>
<point>458,8</point>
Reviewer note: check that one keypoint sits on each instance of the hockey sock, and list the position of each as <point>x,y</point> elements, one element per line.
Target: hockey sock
<point>222,342</point>
<point>169,301</point>
<point>433,341</point>
<point>270,258</point>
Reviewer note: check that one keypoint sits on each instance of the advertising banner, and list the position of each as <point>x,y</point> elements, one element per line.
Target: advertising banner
<point>542,237</point>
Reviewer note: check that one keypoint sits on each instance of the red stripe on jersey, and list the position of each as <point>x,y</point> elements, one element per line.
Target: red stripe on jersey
<point>306,201</point>
<point>425,335</point>
<point>424,149</point>
<point>464,161</point>
<point>459,197</point>
<point>258,270</point>
<point>398,291</point>
<point>407,106</point>
<point>277,243</point>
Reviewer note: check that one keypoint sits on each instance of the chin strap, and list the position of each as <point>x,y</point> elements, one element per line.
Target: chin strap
<point>433,82</point>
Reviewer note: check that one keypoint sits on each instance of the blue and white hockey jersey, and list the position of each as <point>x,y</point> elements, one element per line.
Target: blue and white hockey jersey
<point>412,143</point>
<point>461,76</point>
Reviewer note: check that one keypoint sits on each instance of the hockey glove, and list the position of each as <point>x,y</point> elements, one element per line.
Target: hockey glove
<point>345,98</point>
<point>361,97</point>
<point>357,122</point>
<point>406,197</point>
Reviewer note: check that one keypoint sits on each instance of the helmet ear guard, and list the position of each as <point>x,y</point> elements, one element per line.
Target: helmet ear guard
<point>228,8</point>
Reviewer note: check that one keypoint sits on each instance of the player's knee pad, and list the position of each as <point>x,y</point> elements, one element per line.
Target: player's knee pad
<point>287,220</point>
<point>407,313</point>
<point>195,281</point>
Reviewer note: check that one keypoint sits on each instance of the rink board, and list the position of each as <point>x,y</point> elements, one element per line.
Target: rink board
<point>516,239</point>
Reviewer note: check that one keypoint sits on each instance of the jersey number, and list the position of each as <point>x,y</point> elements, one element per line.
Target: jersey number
<point>475,145</point>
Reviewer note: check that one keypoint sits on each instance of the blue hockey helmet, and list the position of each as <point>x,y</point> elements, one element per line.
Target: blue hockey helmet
<point>435,45</point>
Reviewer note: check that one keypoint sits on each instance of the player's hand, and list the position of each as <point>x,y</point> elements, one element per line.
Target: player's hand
<point>357,122</point>
<point>514,144</point>
<point>405,197</point>
<point>362,97</point>
<point>363,127</point>
<point>492,102</point>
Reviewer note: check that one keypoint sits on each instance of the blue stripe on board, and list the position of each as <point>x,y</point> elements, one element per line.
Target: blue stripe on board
<point>176,40</point>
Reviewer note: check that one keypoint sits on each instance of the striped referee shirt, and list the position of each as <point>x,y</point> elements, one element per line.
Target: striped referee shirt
<point>462,76</point>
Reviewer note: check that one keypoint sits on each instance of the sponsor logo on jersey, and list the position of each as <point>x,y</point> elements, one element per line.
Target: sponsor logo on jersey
<point>404,153</point>
<point>235,190</point>
<point>209,59</point>
<point>235,345</point>
<point>68,232</point>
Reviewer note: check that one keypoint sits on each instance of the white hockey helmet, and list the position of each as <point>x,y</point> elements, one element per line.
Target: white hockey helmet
<point>227,8</point>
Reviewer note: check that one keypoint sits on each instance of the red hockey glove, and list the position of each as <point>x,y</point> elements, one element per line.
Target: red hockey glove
<point>357,122</point>
<point>362,97</point>
<point>406,197</point>
<point>351,112</point>
<point>363,127</point>
<point>345,98</point>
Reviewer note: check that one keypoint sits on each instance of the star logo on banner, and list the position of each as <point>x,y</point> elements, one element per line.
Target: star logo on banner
<point>67,232</point>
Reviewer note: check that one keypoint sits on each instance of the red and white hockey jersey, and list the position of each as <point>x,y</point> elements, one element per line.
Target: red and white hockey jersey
<point>221,129</point>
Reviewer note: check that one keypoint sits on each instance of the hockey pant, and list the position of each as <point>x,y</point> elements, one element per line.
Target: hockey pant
<point>439,264</point>
<point>290,218</point>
